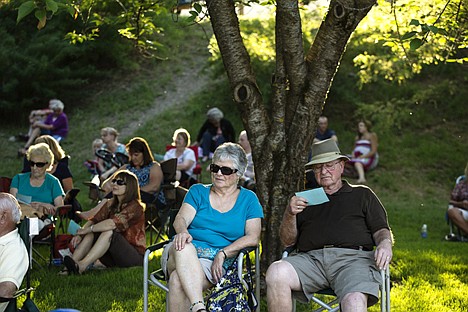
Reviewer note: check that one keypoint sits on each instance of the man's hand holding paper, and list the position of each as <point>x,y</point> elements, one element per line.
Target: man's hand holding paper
<point>315,196</point>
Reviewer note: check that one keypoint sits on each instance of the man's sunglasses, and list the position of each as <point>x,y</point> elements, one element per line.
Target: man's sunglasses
<point>37,164</point>
<point>118,182</point>
<point>224,170</point>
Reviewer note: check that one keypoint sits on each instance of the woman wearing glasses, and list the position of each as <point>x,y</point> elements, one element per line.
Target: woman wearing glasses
<point>214,223</point>
<point>38,189</point>
<point>116,233</point>
<point>59,168</point>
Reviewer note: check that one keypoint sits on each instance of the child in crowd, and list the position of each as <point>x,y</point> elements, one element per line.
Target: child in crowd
<point>92,163</point>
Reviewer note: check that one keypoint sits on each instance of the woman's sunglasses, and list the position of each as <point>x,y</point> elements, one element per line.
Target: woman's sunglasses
<point>37,164</point>
<point>224,170</point>
<point>118,182</point>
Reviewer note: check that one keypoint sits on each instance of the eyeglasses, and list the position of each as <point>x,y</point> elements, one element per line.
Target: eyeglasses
<point>37,164</point>
<point>118,182</point>
<point>328,167</point>
<point>224,170</point>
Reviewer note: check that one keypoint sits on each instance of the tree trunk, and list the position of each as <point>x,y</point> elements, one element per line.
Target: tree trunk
<point>281,138</point>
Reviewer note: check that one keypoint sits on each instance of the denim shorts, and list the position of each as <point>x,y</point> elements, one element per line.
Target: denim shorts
<point>205,264</point>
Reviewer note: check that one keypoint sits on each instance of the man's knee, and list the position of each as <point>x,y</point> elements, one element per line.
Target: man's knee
<point>279,272</point>
<point>355,301</point>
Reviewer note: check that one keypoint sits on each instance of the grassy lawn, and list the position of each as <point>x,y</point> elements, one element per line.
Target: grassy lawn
<point>414,179</point>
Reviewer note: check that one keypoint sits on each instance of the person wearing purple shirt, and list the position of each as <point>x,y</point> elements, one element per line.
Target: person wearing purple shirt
<point>56,125</point>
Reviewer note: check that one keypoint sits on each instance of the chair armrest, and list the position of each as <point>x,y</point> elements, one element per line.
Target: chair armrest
<point>287,251</point>
<point>240,258</point>
<point>157,246</point>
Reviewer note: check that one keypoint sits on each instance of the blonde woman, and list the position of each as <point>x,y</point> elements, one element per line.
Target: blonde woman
<point>59,168</point>
<point>185,156</point>
<point>41,188</point>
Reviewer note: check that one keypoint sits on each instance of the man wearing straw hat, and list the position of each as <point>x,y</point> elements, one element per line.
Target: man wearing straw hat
<point>334,240</point>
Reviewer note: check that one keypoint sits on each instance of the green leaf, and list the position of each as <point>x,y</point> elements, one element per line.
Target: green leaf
<point>415,44</point>
<point>51,5</point>
<point>414,22</point>
<point>25,9</point>
<point>434,29</point>
<point>197,7</point>
<point>41,16</point>
<point>409,35</point>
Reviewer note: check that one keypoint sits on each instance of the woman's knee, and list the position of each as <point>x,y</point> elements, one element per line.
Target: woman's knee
<point>453,212</point>
<point>107,235</point>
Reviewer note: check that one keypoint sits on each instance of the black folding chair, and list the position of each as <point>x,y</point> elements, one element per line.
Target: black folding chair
<point>157,213</point>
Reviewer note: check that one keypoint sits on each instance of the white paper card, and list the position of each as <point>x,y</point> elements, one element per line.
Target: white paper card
<point>33,226</point>
<point>314,196</point>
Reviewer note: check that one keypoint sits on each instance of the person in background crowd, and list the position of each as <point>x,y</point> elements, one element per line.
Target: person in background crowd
<point>109,138</point>
<point>215,131</point>
<point>248,179</point>
<point>60,168</point>
<point>323,133</point>
<point>365,156</point>
<point>116,233</point>
<point>55,124</point>
<point>458,207</point>
<point>185,156</point>
<point>43,191</point>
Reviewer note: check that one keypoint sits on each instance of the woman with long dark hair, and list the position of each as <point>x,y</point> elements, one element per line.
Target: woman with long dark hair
<point>116,233</point>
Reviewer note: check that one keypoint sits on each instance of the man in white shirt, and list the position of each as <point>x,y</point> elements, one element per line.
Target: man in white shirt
<point>13,254</point>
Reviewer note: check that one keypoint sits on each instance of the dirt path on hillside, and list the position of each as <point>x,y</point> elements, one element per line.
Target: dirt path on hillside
<point>194,78</point>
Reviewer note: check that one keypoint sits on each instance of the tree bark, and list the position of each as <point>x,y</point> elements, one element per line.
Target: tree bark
<point>281,138</point>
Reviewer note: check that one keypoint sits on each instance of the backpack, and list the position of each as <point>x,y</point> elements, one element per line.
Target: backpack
<point>232,294</point>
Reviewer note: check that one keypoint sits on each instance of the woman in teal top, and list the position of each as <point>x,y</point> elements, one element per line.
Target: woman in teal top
<point>215,222</point>
<point>42,189</point>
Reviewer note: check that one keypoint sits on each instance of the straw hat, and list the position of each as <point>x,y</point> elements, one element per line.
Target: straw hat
<point>325,151</point>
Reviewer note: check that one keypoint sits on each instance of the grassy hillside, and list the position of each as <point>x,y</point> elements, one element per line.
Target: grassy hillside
<point>422,144</point>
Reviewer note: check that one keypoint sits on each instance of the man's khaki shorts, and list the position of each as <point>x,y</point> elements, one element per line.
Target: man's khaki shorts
<point>343,270</point>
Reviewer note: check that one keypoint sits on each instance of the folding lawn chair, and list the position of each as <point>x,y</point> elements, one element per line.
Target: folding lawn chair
<point>117,160</point>
<point>157,214</point>
<point>333,304</point>
<point>59,239</point>
<point>197,171</point>
<point>27,230</point>
<point>158,279</point>
<point>5,183</point>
